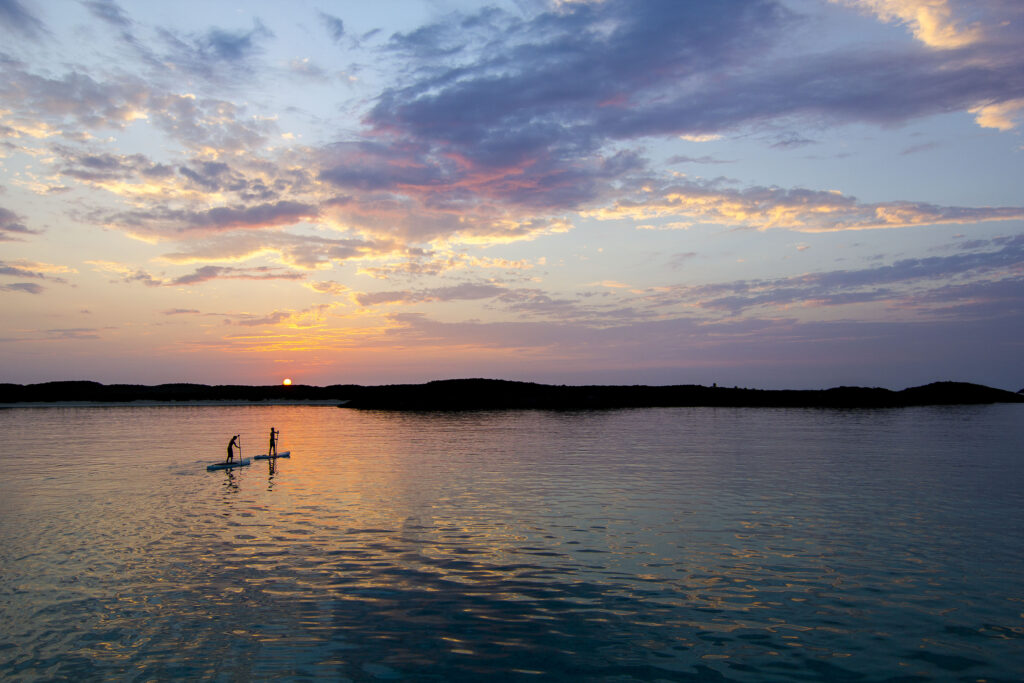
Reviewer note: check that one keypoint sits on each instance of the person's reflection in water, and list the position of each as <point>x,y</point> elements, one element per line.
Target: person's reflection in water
<point>272,470</point>
<point>231,483</point>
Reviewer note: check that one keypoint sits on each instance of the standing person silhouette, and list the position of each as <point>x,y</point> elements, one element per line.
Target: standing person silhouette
<point>272,448</point>
<point>231,448</point>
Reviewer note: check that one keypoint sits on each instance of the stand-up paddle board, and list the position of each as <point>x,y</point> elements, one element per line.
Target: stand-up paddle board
<point>228,465</point>
<point>282,454</point>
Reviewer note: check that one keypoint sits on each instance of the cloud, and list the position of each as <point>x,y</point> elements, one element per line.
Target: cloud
<point>107,170</point>
<point>181,311</point>
<point>533,112</point>
<point>27,287</point>
<point>14,16</point>
<point>931,21</point>
<point>33,270</point>
<point>419,204</point>
<point>307,318</point>
<point>12,229</point>
<point>73,333</point>
<point>793,209</point>
<point>165,223</point>
<point>432,263</point>
<point>274,318</point>
<point>681,159</point>
<point>110,12</point>
<point>307,69</point>
<point>198,276</point>
<point>207,273</point>
<point>74,98</point>
<point>517,121</point>
<point>1000,115</point>
<point>678,260</point>
<point>309,252</point>
<point>689,137</point>
<point>462,292</point>
<point>791,141</point>
<point>245,181</point>
<point>901,282</point>
<point>44,106</point>
<point>776,353</point>
<point>335,26</point>
<point>205,124</point>
<point>923,147</point>
<point>541,87</point>
<point>529,98</point>
<point>328,287</point>
<point>126,273</point>
<point>218,55</point>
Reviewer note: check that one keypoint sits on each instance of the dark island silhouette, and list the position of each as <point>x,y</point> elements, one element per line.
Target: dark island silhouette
<point>493,394</point>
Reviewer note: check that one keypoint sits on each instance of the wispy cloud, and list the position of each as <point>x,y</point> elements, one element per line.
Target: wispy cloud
<point>335,26</point>
<point>12,227</point>
<point>308,252</point>
<point>464,291</point>
<point>217,54</point>
<point>126,273</point>
<point>110,12</point>
<point>26,287</point>
<point>901,283</point>
<point>716,202</point>
<point>15,17</point>
<point>165,223</point>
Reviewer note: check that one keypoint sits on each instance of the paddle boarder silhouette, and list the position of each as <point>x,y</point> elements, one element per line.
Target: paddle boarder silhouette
<point>272,448</point>
<point>231,448</point>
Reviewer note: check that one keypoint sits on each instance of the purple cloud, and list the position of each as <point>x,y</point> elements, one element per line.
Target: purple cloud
<point>176,222</point>
<point>110,12</point>
<point>27,287</point>
<point>216,55</point>
<point>73,333</point>
<point>302,251</point>
<point>270,319</point>
<point>11,227</point>
<point>15,17</point>
<point>207,273</point>
<point>978,269</point>
<point>533,104</point>
<point>335,26</point>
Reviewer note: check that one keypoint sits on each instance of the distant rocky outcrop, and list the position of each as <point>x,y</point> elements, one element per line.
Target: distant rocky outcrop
<point>482,394</point>
<point>493,394</point>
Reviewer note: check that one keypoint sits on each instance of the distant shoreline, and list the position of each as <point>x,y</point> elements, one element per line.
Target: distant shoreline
<point>164,404</point>
<point>492,394</point>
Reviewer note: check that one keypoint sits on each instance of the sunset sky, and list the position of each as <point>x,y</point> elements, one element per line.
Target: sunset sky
<point>766,193</point>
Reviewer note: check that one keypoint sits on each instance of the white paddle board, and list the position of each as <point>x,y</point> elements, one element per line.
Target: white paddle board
<point>264,456</point>
<point>228,465</point>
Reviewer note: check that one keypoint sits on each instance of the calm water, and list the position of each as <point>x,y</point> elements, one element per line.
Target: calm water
<point>660,544</point>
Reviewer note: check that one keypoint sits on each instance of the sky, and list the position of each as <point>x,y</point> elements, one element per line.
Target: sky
<point>760,193</point>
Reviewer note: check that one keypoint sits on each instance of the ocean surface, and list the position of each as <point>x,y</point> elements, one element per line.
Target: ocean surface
<point>680,544</point>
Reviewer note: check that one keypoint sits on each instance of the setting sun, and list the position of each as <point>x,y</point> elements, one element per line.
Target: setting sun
<point>286,382</point>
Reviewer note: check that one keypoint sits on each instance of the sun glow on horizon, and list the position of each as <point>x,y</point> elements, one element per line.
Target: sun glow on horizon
<point>286,381</point>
